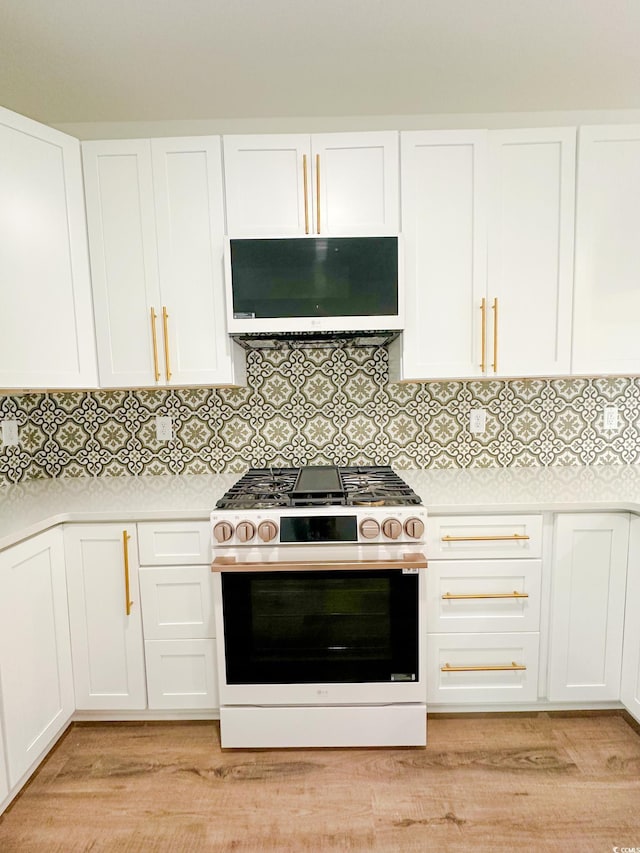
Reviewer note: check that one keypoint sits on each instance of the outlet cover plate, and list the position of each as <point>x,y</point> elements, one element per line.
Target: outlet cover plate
<point>478,420</point>
<point>164,429</point>
<point>611,417</point>
<point>10,433</point>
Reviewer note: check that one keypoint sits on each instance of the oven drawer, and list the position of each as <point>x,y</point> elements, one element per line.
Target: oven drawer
<point>177,602</point>
<point>173,543</point>
<point>482,668</point>
<point>181,674</point>
<point>483,536</point>
<point>483,595</point>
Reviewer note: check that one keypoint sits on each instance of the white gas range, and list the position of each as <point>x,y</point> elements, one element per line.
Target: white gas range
<point>319,604</point>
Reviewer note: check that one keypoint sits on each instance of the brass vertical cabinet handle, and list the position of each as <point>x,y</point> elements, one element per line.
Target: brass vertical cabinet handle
<point>318,193</point>
<point>306,193</point>
<point>165,329</point>
<point>495,335</point>
<point>127,592</point>
<point>483,333</point>
<point>154,339</point>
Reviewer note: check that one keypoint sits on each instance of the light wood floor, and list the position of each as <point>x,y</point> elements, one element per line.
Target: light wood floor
<point>492,783</point>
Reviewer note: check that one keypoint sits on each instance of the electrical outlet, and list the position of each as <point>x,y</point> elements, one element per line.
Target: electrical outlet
<point>164,429</point>
<point>611,417</point>
<point>9,432</point>
<point>477,420</point>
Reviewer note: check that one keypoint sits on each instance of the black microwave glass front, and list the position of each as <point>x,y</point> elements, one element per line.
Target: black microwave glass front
<point>314,277</point>
<point>330,626</point>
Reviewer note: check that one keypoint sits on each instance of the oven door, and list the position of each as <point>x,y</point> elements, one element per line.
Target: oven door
<point>321,637</point>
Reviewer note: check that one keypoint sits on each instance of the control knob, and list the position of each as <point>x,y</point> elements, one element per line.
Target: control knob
<point>267,530</point>
<point>414,528</point>
<point>245,531</point>
<point>391,528</point>
<point>369,528</point>
<point>223,531</point>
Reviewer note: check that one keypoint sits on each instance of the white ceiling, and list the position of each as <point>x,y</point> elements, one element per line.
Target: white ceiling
<point>153,60</point>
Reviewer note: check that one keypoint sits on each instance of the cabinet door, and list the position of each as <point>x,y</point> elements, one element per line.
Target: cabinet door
<point>443,192</point>
<point>587,606</point>
<point>35,653</point>
<point>187,177</point>
<point>268,185</point>
<point>607,260</point>
<point>356,183</point>
<point>108,655</point>
<point>630,684</point>
<point>124,264</point>
<point>46,328</point>
<point>182,674</point>
<point>174,543</point>
<point>530,245</point>
<point>489,537</point>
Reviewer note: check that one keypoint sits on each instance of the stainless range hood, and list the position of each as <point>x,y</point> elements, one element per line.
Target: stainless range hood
<point>314,340</point>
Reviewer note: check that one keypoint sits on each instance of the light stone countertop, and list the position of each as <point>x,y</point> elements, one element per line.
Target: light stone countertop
<point>29,508</point>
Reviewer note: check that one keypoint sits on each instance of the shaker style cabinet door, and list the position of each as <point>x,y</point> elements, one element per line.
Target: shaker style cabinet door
<point>156,226</point>
<point>46,327</point>
<point>607,291</point>
<point>283,185</point>
<point>530,251</point>
<point>630,684</point>
<point>589,571</point>
<point>443,192</point>
<point>105,617</point>
<point>35,654</point>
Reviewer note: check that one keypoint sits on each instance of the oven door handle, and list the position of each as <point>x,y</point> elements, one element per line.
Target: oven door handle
<point>231,564</point>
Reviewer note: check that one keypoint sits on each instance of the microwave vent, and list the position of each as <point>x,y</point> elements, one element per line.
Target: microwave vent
<point>314,340</point>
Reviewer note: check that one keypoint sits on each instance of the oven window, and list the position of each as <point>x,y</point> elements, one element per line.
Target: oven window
<point>320,627</point>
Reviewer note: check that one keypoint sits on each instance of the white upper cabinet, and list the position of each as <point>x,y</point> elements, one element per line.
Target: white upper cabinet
<point>487,218</point>
<point>46,327</point>
<point>156,226</point>
<point>607,279</point>
<point>333,183</point>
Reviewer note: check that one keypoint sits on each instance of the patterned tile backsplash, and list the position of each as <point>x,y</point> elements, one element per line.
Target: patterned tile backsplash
<point>315,406</point>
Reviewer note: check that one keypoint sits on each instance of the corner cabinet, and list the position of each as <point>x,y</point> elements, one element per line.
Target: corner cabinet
<point>105,617</point>
<point>589,570</point>
<point>607,291</point>
<point>156,228</point>
<point>293,184</point>
<point>46,327</point>
<point>36,679</point>
<point>487,219</point>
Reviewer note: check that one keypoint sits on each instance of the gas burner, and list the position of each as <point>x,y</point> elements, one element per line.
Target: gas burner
<point>258,501</point>
<point>374,496</point>
<point>261,486</point>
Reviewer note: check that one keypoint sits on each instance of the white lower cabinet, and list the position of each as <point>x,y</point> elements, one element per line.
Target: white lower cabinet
<point>4,780</point>
<point>587,606</point>
<point>104,616</point>
<point>177,615</point>
<point>35,654</point>
<point>482,668</point>
<point>630,683</point>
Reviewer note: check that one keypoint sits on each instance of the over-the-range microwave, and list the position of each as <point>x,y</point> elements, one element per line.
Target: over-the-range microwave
<point>313,284</point>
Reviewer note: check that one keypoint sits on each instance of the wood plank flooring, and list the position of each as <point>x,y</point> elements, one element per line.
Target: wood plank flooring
<point>484,783</point>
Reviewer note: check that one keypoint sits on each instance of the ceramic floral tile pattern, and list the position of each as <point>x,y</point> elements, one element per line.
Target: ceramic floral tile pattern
<point>322,406</point>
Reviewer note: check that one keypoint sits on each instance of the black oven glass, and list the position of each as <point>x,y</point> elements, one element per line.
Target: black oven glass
<point>315,277</point>
<point>318,528</point>
<point>320,626</point>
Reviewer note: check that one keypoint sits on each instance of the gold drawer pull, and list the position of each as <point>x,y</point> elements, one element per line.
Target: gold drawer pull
<point>154,341</point>
<point>451,597</point>
<point>165,329</point>
<point>127,591</point>
<point>483,332</point>
<point>512,667</point>
<point>318,193</point>
<point>512,537</point>
<point>306,193</point>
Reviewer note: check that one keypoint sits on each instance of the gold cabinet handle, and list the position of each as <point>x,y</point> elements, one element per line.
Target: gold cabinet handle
<point>448,596</point>
<point>512,667</point>
<point>165,329</point>
<point>483,334</point>
<point>127,592</point>
<point>154,339</point>
<point>512,537</point>
<point>318,193</point>
<point>495,335</point>
<point>306,193</point>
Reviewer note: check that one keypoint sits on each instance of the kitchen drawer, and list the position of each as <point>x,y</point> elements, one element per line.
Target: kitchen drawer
<point>181,674</point>
<point>173,543</point>
<point>177,602</point>
<point>483,536</point>
<point>484,668</point>
<point>483,595</point>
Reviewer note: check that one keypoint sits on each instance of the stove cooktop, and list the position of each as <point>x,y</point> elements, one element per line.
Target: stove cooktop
<point>319,485</point>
